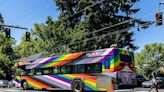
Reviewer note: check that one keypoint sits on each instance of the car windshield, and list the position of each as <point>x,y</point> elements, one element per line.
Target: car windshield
<point>140,76</point>
<point>160,78</point>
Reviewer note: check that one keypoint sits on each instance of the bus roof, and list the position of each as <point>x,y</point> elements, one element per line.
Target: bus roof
<point>72,59</point>
<point>95,53</point>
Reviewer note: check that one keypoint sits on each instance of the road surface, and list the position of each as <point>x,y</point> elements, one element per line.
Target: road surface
<point>37,90</point>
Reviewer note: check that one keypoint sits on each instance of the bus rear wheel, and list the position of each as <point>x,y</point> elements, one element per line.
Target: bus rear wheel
<point>77,86</point>
<point>25,85</point>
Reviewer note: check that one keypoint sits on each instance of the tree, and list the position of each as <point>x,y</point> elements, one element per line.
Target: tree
<point>151,58</point>
<point>27,48</point>
<point>50,38</point>
<point>6,67</point>
<point>100,15</point>
<point>74,30</point>
<point>1,19</point>
<point>6,53</point>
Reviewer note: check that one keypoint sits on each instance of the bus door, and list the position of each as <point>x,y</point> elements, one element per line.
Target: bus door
<point>20,71</point>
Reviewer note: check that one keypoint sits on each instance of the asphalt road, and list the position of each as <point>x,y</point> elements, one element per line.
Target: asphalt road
<point>37,90</point>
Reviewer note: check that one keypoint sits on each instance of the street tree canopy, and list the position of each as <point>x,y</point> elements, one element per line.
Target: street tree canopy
<point>74,31</point>
<point>7,53</point>
<point>150,59</point>
<point>100,15</point>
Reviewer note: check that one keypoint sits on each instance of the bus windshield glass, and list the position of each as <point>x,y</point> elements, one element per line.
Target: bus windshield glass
<point>126,58</point>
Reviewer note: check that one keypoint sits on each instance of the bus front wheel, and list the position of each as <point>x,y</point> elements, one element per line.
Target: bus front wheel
<point>25,85</point>
<point>77,86</point>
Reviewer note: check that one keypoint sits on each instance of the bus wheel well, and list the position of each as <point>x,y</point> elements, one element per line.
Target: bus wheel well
<point>22,82</point>
<point>77,85</point>
<point>77,79</point>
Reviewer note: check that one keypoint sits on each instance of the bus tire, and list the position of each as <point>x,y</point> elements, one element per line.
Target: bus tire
<point>77,86</point>
<point>25,85</point>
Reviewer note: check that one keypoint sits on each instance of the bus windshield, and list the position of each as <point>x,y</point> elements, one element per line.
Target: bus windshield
<point>126,58</point>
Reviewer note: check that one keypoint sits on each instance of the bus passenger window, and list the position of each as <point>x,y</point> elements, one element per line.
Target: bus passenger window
<point>30,72</point>
<point>66,69</point>
<point>38,71</point>
<point>94,68</point>
<point>98,68</point>
<point>56,70</point>
<point>78,69</point>
<point>63,69</point>
<point>90,68</point>
<point>47,71</point>
<point>69,69</point>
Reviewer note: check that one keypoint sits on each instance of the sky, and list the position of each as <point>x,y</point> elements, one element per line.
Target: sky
<point>26,13</point>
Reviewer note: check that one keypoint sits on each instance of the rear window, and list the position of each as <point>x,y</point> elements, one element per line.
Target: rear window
<point>140,76</point>
<point>125,58</point>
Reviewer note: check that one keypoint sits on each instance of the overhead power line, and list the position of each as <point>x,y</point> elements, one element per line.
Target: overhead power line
<point>27,11</point>
<point>88,7</point>
<point>117,24</point>
<point>105,28</point>
<point>89,39</point>
<point>35,16</point>
<point>100,36</point>
<point>105,35</point>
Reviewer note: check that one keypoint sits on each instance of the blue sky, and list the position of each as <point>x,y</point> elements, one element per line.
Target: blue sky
<point>27,12</point>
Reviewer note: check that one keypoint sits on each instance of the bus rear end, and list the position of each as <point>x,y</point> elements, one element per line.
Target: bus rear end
<point>126,76</point>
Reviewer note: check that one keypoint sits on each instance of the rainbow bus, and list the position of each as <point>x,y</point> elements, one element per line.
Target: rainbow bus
<point>99,70</point>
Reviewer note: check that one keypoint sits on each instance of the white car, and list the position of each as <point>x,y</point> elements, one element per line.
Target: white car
<point>160,82</point>
<point>146,83</point>
<point>3,83</point>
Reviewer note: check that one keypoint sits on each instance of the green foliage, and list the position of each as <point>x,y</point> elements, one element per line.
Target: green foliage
<point>99,16</point>
<point>50,37</point>
<point>74,30</point>
<point>150,59</point>
<point>7,54</point>
<point>27,48</point>
<point>6,65</point>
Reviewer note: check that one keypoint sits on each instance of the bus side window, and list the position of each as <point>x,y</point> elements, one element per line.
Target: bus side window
<point>63,69</point>
<point>56,70</point>
<point>94,68</point>
<point>47,71</point>
<point>89,68</point>
<point>38,71</point>
<point>30,72</point>
<point>98,68</point>
<point>78,69</point>
<point>66,69</point>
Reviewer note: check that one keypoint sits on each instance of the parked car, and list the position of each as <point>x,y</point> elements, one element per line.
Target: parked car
<point>146,83</point>
<point>160,82</point>
<point>10,84</point>
<point>3,83</point>
<point>140,78</point>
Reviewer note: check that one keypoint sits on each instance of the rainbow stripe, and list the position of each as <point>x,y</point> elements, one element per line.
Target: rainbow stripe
<point>64,81</point>
<point>61,81</point>
<point>115,60</point>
